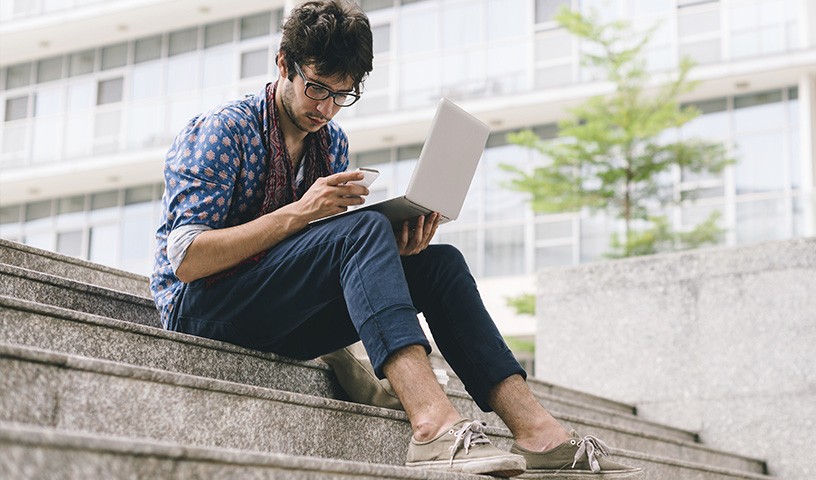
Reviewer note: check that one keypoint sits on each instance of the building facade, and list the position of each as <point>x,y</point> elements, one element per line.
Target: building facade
<point>93,91</point>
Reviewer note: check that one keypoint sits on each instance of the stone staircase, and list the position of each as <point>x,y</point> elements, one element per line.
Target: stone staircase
<point>92,388</point>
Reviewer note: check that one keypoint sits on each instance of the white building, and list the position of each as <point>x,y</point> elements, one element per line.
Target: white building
<point>93,91</point>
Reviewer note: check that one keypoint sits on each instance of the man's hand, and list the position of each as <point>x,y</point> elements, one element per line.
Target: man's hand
<point>411,242</point>
<point>330,195</point>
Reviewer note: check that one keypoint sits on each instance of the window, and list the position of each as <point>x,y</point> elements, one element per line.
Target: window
<point>109,91</point>
<point>114,56</point>
<point>147,49</point>
<point>18,75</point>
<point>369,5</point>
<point>70,243</point>
<point>218,33</point>
<point>545,10</point>
<point>183,41</point>
<point>37,210</point>
<point>10,214</point>
<point>382,38</point>
<point>256,25</point>
<point>504,251</point>
<point>104,200</point>
<point>16,108</point>
<point>49,69</point>
<point>254,63</point>
<point>81,63</point>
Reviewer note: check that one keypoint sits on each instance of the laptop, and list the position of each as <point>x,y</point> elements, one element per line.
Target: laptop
<point>443,174</point>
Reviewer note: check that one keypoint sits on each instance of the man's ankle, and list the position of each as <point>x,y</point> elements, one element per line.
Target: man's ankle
<point>425,431</point>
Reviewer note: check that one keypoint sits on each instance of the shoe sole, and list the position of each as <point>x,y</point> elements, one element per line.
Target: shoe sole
<point>634,474</point>
<point>495,466</point>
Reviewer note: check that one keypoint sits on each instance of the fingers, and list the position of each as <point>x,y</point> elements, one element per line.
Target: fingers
<point>411,242</point>
<point>340,178</point>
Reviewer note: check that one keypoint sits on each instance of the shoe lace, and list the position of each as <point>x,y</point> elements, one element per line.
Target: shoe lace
<point>590,446</point>
<point>472,433</point>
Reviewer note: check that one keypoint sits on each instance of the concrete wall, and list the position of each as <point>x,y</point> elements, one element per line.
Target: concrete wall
<point>720,341</point>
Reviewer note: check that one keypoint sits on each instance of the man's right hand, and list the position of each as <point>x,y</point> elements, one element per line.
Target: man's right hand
<point>331,195</point>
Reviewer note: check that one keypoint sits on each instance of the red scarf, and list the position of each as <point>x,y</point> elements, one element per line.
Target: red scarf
<point>280,188</point>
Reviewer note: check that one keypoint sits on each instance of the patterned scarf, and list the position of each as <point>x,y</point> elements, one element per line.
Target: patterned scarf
<point>280,188</point>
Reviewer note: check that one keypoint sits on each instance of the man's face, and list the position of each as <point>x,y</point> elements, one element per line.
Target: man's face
<point>305,113</point>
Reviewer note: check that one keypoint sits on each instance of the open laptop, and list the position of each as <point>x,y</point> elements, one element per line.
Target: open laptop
<point>442,175</point>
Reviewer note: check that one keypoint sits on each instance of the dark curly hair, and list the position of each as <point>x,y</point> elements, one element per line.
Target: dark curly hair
<point>331,36</point>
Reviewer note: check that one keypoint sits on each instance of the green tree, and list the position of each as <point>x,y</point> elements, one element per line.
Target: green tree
<point>609,155</point>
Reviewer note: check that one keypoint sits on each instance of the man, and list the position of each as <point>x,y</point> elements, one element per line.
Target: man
<point>237,261</point>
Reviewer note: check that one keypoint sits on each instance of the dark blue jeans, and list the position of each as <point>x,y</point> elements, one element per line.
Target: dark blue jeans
<point>328,286</point>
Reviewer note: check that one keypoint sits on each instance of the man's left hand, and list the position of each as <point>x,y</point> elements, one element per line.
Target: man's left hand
<point>412,241</point>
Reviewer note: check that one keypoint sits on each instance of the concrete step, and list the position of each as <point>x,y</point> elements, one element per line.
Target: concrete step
<point>37,453</point>
<point>31,452</point>
<point>52,390</point>
<point>58,265</point>
<point>64,331</point>
<point>48,289</point>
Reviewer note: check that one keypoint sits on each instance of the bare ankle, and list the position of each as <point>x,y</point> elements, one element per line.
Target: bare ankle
<point>542,440</point>
<point>428,430</point>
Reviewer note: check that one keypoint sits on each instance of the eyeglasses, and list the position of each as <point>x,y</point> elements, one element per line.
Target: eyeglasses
<point>315,91</point>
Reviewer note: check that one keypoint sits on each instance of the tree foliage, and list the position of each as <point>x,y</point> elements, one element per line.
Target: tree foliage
<point>609,155</point>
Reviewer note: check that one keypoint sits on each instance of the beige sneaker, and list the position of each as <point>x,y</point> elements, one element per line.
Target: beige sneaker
<point>576,458</point>
<point>464,448</point>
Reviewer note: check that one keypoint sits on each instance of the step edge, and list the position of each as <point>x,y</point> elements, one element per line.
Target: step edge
<point>27,249</point>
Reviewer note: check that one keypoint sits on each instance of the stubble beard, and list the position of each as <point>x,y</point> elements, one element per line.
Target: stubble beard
<point>287,98</point>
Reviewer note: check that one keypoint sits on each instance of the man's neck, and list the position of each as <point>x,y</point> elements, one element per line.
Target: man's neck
<point>292,135</point>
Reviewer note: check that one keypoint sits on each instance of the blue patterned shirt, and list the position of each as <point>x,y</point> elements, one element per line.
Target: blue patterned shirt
<point>215,174</point>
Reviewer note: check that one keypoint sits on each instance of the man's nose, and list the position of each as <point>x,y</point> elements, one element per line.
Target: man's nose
<point>326,106</point>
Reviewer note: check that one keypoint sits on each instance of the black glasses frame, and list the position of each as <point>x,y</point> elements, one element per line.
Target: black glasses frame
<point>319,92</point>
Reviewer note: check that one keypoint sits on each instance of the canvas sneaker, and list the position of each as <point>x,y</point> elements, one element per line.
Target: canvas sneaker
<point>464,447</point>
<point>579,457</point>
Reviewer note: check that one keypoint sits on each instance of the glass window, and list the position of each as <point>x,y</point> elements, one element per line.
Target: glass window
<point>109,91</point>
<point>106,131</point>
<point>104,200</point>
<point>71,204</point>
<point>596,231</point>
<point>506,18</point>
<point>545,10</point>
<point>254,63</point>
<point>256,25</point>
<point>146,124</point>
<point>218,67</point>
<point>761,220</point>
<point>182,74</point>
<point>48,101</point>
<point>70,243</point>
<point>10,214</point>
<point>183,41</point>
<point>16,108</point>
<point>146,49</point>
<point>760,165</point>
<point>553,45</point>
<point>138,194</point>
<point>419,31</point>
<point>553,256</point>
<point>554,76</point>
<point>146,81</point>
<point>37,210</point>
<point>49,69</point>
<point>18,75</point>
<point>218,33</point>
<point>375,157</point>
<point>114,56</point>
<point>462,24</point>
<point>382,38</point>
<point>759,111</point>
<point>369,5</point>
<point>102,248</point>
<point>137,226</point>
<point>44,241</point>
<point>695,23</point>
<point>504,251</point>
<point>82,62</point>
<point>651,7</point>
<point>703,52</point>
<point>553,230</point>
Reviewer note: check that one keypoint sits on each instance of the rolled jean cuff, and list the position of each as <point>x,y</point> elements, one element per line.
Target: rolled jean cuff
<point>389,331</point>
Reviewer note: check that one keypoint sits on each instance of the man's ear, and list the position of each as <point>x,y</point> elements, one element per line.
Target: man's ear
<point>281,61</point>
